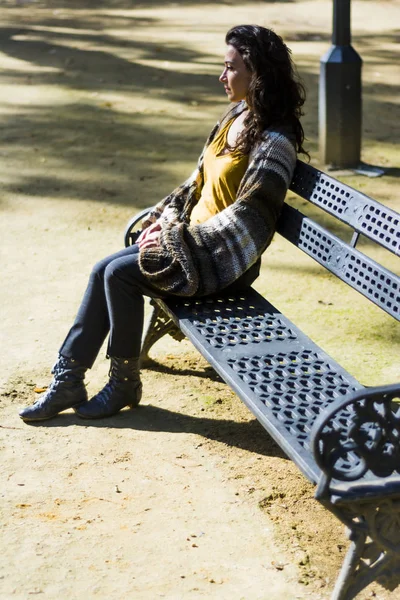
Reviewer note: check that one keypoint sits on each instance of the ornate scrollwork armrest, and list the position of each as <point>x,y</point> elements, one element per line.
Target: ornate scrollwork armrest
<point>356,434</point>
<point>131,231</point>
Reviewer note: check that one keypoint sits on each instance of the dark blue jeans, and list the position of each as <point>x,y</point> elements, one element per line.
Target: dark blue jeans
<point>113,303</point>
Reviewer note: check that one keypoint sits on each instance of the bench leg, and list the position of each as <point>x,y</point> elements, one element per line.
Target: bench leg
<point>374,554</point>
<point>159,325</point>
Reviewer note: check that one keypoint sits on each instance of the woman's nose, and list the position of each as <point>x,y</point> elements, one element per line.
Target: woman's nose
<point>222,77</point>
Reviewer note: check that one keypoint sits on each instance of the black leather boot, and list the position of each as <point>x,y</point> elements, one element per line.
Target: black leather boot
<point>65,391</point>
<point>124,388</point>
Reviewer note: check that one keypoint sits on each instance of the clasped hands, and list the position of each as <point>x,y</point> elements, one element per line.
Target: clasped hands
<point>149,238</point>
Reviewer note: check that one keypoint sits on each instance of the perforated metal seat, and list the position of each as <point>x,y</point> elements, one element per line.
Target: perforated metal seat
<point>344,437</point>
<point>283,377</point>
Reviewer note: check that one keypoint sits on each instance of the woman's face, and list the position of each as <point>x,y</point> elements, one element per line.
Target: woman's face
<point>235,76</point>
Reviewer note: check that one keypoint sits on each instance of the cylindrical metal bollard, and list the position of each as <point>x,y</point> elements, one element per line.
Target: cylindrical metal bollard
<point>340,110</point>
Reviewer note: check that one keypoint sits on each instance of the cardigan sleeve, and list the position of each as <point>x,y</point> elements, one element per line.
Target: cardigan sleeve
<point>170,207</point>
<point>205,258</point>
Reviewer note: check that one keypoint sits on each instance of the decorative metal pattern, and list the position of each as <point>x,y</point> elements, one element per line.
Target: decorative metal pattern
<point>384,523</point>
<point>377,283</point>
<point>360,434</point>
<point>308,236</point>
<point>321,189</point>
<point>365,215</point>
<point>231,321</point>
<point>374,553</point>
<point>381,287</point>
<point>294,387</point>
<point>381,224</point>
<point>160,324</point>
<point>336,431</point>
<point>132,229</point>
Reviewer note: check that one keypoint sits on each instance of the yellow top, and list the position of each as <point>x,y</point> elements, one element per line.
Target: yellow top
<point>222,176</point>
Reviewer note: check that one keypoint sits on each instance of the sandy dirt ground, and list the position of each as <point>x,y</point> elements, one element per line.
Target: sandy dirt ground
<point>104,107</point>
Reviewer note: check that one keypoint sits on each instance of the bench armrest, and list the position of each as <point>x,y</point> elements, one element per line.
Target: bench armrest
<point>356,435</point>
<point>131,230</point>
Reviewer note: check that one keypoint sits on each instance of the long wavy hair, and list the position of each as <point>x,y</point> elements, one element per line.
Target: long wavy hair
<point>276,94</point>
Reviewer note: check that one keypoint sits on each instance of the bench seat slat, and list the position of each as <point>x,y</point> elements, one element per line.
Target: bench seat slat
<point>365,215</point>
<point>362,273</point>
<point>277,371</point>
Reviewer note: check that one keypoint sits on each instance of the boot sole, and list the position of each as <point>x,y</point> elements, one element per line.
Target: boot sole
<point>33,419</point>
<point>93,417</point>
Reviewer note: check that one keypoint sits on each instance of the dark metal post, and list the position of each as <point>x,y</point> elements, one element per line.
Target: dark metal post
<point>340,95</point>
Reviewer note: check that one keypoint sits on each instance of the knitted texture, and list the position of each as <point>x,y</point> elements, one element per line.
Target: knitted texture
<point>204,259</point>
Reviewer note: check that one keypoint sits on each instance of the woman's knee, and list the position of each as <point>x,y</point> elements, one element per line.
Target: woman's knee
<point>122,271</point>
<point>100,267</point>
<point>119,259</point>
<point>117,270</point>
<point>110,271</point>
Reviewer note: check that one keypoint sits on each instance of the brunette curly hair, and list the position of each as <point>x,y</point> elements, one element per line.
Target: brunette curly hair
<point>276,94</point>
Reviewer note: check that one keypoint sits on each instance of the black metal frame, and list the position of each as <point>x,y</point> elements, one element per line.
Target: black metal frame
<point>344,438</point>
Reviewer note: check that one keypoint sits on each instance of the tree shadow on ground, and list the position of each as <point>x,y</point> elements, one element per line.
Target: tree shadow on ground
<point>110,151</point>
<point>76,61</point>
<point>138,146</point>
<point>248,436</point>
<point>85,5</point>
<point>203,372</point>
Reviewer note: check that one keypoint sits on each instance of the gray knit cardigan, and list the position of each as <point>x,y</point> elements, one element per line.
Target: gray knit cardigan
<point>206,258</point>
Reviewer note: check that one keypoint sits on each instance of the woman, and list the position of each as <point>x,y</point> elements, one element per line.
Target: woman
<point>207,236</point>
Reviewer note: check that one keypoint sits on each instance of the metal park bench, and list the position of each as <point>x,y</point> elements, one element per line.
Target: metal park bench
<point>344,437</point>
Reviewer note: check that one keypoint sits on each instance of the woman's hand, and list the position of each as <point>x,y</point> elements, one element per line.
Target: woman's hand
<point>149,238</point>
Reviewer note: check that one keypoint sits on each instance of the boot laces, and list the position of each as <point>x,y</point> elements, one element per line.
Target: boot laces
<point>103,396</point>
<point>41,401</point>
<point>124,370</point>
<point>61,365</point>
<point>67,369</point>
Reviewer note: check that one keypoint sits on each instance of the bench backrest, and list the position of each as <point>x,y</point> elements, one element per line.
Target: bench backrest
<point>364,215</point>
